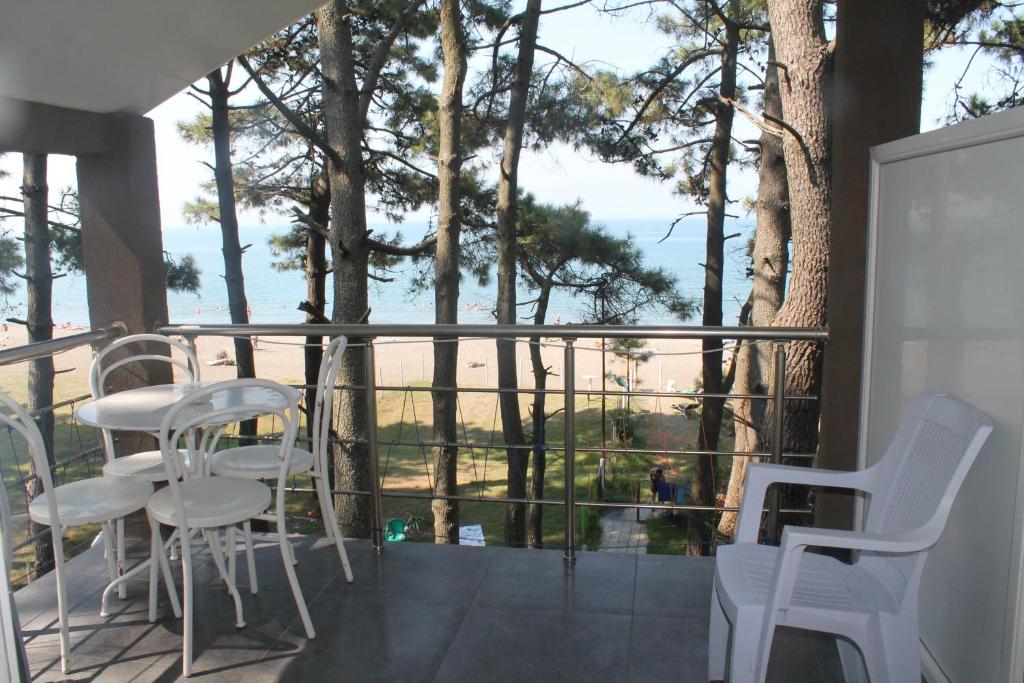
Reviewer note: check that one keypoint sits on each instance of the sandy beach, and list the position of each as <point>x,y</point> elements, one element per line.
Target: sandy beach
<point>673,366</point>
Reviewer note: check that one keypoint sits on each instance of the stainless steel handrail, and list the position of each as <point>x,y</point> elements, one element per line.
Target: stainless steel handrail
<point>502,331</point>
<point>777,336</point>
<point>42,349</point>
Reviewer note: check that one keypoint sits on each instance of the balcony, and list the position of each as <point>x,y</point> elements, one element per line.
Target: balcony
<point>419,611</point>
<point>416,612</point>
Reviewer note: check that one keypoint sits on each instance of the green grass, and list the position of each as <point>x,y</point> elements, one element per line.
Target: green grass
<point>666,535</point>
<point>483,472</point>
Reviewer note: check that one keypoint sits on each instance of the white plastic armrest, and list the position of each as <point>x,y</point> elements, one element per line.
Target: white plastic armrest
<point>797,538</point>
<point>762,475</point>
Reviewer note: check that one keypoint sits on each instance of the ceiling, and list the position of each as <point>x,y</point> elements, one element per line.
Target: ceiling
<point>126,55</point>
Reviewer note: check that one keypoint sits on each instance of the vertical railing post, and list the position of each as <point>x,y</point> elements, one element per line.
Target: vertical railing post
<point>569,391</point>
<point>190,342</point>
<point>372,451</point>
<point>778,411</point>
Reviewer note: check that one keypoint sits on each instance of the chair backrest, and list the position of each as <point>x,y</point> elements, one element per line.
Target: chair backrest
<point>324,402</point>
<point>101,368</point>
<point>920,474</point>
<point>16,418</point>
<point>198,410</point>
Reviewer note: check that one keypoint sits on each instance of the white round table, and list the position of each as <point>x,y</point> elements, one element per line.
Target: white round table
<point>143,409</point>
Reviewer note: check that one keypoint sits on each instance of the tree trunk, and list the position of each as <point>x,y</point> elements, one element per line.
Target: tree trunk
<point>39,319</point>
<point>770,261</point>
<point>238,307</point>
<point>535,530</point>
<point>508,187</point>
<point>315,306</point>
<point>349,252</point>
<point>446,271</point>
<point>805,56</point>
<point>316,289</point>
<point>703,491</point>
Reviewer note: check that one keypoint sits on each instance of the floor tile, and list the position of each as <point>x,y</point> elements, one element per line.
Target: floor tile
<point>539,580</point>
<point>673,586</point>
<point>367,638</point>
<point>668,649</point>
<point>525,645</point>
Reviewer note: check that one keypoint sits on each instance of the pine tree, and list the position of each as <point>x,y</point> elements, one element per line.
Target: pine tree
<point>559,249</point>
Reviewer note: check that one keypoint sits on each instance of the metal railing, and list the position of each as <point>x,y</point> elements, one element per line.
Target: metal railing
<point>366,335</point>
<point>51,347</point>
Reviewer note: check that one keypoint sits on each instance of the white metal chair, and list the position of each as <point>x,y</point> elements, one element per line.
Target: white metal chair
<point>87,501</point>
<point>13,661</point>
<point>146,465</point>
<point>192,501</point>
<point>261,461</point>
<point>872,602</point>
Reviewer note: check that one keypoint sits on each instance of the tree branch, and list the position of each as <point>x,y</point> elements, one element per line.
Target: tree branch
<point>380,153</point>
<point>303,128</point>
<point>778,130</point>
<point>396,250</point>
<point>571,5</point>
<point>380,57</point>
<point>311,224</point>
<point>562,58</point>
<point>676,222</point>
<point>682,145</point>
<point>52,224</point>
<point>692,58</point>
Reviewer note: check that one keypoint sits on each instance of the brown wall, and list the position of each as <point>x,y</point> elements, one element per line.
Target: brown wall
<point>878,76</point>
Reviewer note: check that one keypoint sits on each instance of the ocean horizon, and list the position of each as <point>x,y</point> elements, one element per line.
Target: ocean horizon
<point>274,295</point>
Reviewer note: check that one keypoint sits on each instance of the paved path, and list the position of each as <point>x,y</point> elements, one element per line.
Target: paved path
<point>621,533</point>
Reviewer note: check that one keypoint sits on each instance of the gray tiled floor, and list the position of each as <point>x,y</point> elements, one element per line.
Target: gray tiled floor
<point>417,613</point>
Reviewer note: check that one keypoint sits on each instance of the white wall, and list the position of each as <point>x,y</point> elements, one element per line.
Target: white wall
<point>946,313</point>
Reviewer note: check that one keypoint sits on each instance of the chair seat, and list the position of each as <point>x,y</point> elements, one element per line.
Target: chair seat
<point>93,500</point>
<point>212,501</point>
<point>258,462</point>
<point>147,466</point>
<point>744,574</point>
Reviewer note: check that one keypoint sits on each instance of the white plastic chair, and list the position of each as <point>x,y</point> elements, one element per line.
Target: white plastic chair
<point>192,501</point>
<point>261,461</point>
<point>871,603</point>
<point>87,501</point>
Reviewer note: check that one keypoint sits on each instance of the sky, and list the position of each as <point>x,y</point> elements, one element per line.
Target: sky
<point>558,174</point>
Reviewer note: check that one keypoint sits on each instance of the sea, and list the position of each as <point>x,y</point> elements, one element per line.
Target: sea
<point>274,294</point>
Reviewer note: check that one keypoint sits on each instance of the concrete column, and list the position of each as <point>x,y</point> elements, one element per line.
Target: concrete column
<point>878,85</point>
<point>121,239</point>
<point>122,245</point>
